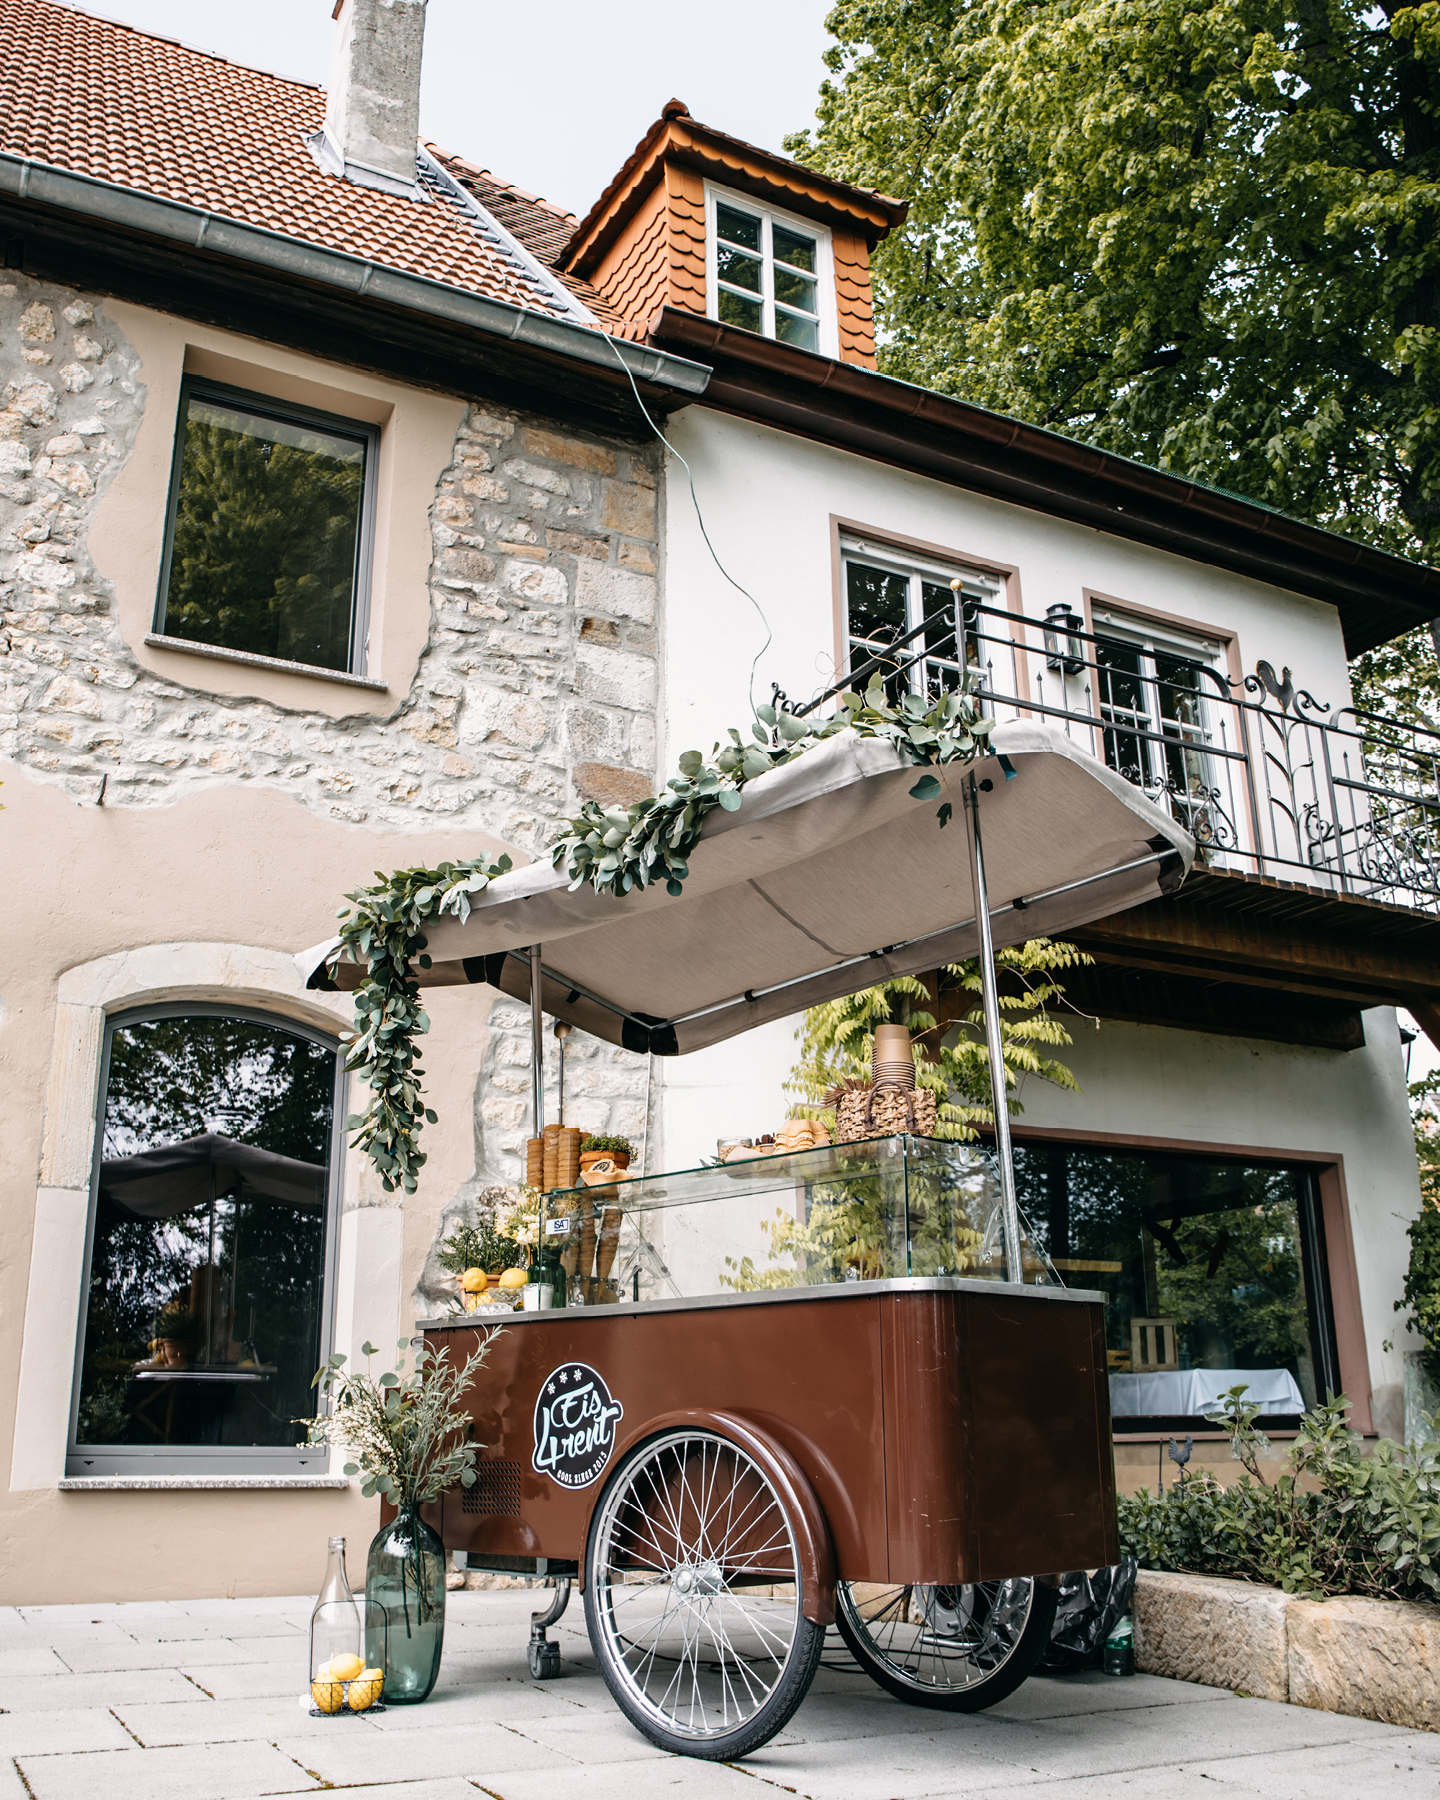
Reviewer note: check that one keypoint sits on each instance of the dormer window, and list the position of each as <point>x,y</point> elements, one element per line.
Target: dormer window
<point>769,273</point>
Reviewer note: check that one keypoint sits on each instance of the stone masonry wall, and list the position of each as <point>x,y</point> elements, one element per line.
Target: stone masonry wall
<point>537,685</point>
<point>538,681</point>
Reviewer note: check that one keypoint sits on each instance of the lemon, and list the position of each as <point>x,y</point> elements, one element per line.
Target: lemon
<point>514,1278</point>
<point>329,1696</point>
<point>365,1689</point>
<point>474,1281</point>
<point>346,1667</point>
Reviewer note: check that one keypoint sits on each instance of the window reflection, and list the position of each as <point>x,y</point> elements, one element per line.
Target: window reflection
<point>265,532</point>
<point>1213,1273</point>
<point>204,1309</point>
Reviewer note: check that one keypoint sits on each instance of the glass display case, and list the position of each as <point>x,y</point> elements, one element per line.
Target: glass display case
<point>879,1209</point>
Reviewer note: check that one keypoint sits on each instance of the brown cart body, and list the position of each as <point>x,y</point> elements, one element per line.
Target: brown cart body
<point>930,1430</point>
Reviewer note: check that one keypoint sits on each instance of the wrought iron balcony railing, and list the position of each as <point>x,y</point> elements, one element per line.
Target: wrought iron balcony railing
<point>1265,777</point>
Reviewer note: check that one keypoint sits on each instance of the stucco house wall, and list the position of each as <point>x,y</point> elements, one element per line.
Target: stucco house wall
<point>772,503</point>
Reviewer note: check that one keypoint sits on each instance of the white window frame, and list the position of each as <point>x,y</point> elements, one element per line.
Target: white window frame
<point>1151,639</point>
<point>770,216</point>
<point>917,569</point>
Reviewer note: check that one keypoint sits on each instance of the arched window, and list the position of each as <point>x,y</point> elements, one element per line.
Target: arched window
<point>211,1247</point>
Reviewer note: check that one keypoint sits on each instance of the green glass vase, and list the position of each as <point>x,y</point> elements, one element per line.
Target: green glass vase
<point>405,1573</point>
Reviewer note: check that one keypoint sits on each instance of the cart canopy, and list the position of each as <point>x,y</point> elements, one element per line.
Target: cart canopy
<point>155,1184</point>
<point>830,877</point>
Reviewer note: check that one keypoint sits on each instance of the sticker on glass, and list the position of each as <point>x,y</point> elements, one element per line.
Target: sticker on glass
<point>575,1420</point>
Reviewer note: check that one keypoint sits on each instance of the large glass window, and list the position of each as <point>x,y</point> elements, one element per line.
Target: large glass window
<point>766,272</point>
<point>267,547</point>
<point>1214,1273</point>
<point>205,1310</point>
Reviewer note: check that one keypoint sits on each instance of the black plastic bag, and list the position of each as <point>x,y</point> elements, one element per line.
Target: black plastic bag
<point>1091,1605</point>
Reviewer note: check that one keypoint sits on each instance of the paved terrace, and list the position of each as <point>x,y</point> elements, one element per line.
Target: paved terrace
<point>198,1700</point>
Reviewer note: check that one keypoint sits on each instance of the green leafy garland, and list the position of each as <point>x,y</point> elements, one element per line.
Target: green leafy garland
<point>384,928</point>
<point>613,850</point>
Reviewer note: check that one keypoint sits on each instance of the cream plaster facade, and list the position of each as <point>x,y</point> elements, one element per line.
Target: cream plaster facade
<point>177,826</point>
<point>773,505</point>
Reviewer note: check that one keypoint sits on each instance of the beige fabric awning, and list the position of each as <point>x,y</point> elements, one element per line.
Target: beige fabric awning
<point>828,878</point>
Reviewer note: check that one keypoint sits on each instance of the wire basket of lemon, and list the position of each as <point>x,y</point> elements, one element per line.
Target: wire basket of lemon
<point>342,1681</point>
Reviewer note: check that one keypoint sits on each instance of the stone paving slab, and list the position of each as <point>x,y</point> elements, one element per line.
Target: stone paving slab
<point>105,1701</point>
<point>31,1692</point>
<point>1088,1691</point>
<point>358,1753</point>
<point>219,1772</point>
<point>670,1778</point>
<point>1349,1772</point>
<point>124,1653</point>
<point>42,1730</point>
<point>201,1721</point>
<point>237,1681</point>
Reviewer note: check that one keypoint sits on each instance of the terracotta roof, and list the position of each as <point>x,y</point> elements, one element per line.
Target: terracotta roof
<point>675,132</point>
<point>543,229</point>
<point>143,112</point>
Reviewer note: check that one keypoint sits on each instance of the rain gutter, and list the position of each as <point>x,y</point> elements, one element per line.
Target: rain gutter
<point>44,184</point>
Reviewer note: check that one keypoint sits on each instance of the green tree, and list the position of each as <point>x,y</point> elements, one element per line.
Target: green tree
<point>1203,233</point>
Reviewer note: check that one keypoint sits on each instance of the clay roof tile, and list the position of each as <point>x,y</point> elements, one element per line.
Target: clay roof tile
<point>108,101</point>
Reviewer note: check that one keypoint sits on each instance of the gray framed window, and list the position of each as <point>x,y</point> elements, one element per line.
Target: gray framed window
<point>210,1253</point>
<point>269,529</point>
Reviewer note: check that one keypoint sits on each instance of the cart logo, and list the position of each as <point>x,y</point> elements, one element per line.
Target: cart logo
<point>575,1419</point>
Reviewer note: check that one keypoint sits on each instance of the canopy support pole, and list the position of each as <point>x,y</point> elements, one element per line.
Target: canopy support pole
<point>999,1095</point>
<point>537,1047</point>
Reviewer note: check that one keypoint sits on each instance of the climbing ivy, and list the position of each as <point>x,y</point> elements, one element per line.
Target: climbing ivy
<point>612,849</point>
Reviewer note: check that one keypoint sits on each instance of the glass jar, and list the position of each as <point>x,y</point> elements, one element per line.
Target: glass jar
<point>405,1574</point>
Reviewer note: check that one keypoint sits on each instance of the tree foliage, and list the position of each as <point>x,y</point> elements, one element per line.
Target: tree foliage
<point>1203,233</point>
<point>837,1037</point>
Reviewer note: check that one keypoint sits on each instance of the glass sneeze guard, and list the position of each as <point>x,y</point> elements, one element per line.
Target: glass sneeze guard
<point>880,1209</point>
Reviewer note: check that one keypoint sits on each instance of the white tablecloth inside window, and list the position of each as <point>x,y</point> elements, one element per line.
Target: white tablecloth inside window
<point>1191,1392</point>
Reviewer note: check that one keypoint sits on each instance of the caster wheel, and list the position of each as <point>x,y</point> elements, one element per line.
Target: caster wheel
<point>544,1661</point>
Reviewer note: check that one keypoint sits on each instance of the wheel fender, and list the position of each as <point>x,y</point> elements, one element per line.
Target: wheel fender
<point>812,1533</point>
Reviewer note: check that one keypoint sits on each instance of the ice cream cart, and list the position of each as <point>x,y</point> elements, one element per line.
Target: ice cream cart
<point>884,1409</point>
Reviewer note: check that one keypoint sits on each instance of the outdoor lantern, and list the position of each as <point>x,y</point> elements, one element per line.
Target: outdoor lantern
<point>1064,650</point>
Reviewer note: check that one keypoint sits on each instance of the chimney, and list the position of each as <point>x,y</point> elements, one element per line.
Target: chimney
<point>372,111</point>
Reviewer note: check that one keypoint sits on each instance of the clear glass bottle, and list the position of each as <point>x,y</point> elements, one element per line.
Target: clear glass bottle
<point>335,1626</point>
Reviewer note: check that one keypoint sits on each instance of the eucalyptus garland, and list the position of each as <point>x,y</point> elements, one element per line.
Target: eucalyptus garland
<point>384,928</point>
<point>613,850</point>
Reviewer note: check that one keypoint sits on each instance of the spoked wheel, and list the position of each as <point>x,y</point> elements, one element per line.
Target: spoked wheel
<point>956,1648</point>
<point>693,1598</point>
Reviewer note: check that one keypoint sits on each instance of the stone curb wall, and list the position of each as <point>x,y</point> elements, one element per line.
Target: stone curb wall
<point>1372,1659</point>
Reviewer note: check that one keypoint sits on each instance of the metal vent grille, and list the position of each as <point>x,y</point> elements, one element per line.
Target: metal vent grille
<point>496,1493</point>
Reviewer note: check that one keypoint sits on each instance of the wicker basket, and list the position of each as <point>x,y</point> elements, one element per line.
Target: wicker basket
<point>869,1111</point>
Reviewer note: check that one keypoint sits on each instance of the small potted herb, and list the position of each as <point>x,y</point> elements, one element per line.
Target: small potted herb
<point>598,1148</point>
